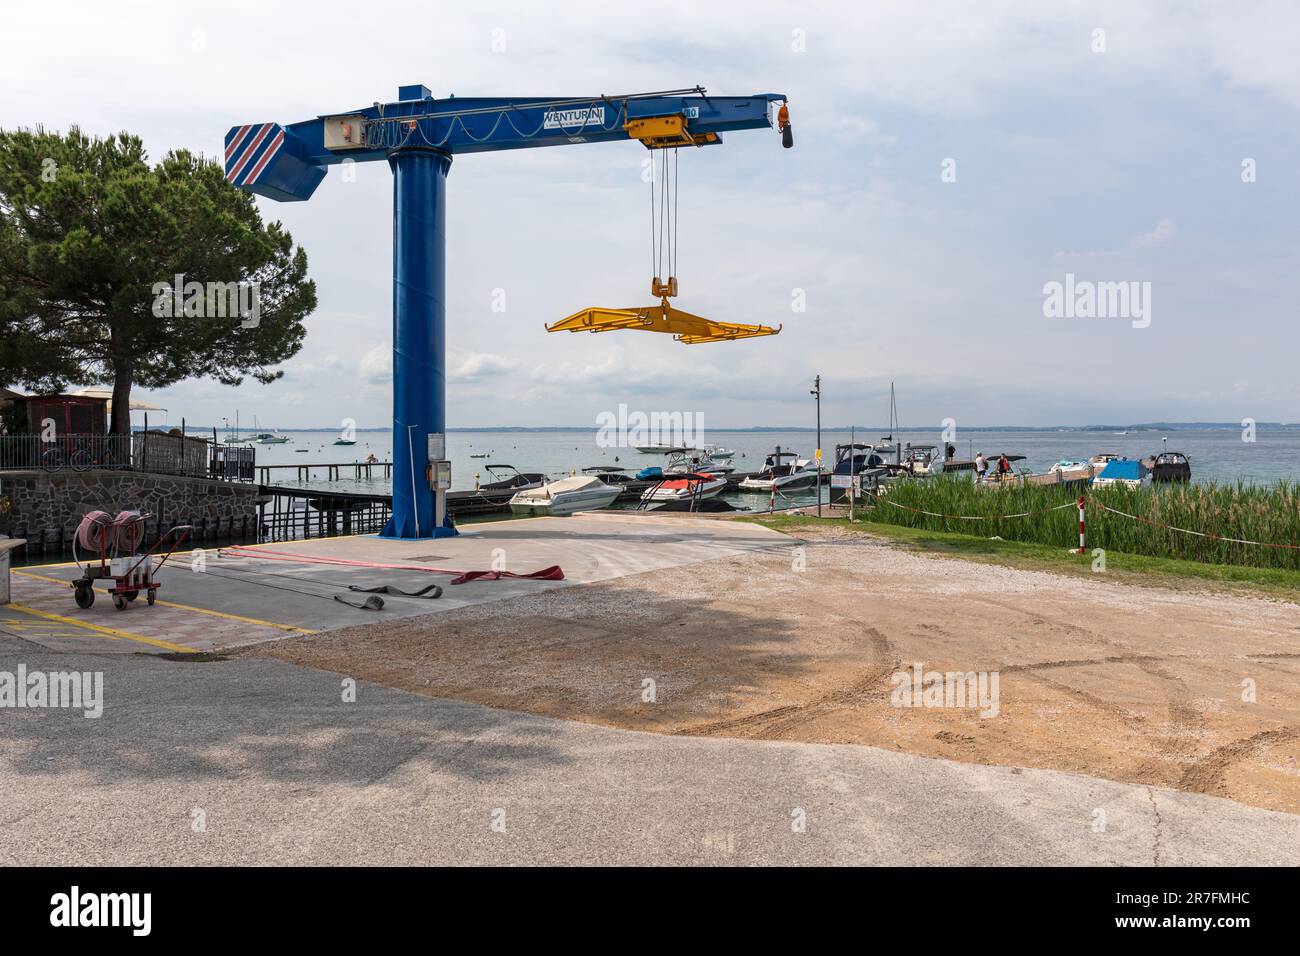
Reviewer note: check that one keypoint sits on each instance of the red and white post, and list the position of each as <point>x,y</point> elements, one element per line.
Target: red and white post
<point>1082,545</point>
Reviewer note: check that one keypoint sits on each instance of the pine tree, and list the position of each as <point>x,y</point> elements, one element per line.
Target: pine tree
<point>90,237</point>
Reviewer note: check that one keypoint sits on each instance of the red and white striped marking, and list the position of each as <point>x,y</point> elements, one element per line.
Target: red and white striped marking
<point>247,152</point>
<point>234,143</point>
<point>1082,546</point>
<point>266,158</point>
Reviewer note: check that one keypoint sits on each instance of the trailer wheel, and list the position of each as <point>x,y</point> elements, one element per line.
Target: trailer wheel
<point>151,596</point>
<point>84,595</point>
<point>119,602</point>
<point>132,595</point>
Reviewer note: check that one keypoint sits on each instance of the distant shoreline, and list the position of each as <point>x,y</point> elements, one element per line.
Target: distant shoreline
<point>1145,427</point>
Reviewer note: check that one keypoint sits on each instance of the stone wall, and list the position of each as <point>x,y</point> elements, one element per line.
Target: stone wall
<point>45,507</point>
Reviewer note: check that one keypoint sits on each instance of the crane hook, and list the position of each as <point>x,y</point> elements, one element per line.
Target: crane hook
<point>783,124</point>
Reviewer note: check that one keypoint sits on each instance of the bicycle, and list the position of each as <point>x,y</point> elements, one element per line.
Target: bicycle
<point>78,458</point>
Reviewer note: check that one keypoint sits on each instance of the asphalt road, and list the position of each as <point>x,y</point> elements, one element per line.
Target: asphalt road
<point>255,761</point>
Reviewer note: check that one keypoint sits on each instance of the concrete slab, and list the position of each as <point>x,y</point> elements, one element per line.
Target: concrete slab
<point>223,601</point>
<point>261,762</point>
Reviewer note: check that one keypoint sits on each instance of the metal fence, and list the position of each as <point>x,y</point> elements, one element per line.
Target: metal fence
<point>290,514</point>
<point>154,452</point>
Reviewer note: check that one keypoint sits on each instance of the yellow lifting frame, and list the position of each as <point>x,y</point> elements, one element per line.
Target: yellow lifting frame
<point>683,326</point>
<point>662,132</point>
<point>665,132</point>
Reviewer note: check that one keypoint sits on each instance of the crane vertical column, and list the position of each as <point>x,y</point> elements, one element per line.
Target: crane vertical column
<point>419,340</point>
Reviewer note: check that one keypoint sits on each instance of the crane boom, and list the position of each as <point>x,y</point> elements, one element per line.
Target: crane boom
<point>287,163</point>
<point>419,135</point>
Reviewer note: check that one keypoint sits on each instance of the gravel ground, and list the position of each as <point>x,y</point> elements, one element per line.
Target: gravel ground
<point>1175,688</point>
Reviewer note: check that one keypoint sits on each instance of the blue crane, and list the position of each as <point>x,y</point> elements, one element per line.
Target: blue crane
<point>419,135</point>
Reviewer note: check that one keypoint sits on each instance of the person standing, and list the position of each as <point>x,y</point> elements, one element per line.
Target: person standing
<point>981,466</point>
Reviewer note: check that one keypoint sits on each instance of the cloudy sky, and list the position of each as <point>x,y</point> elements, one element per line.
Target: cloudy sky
<point>951,159</point>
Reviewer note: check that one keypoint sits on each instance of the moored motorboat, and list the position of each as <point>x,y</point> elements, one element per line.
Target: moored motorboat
<point>655,448</point>
<point>857,461</point>
<point>682,460</point>
<point>922,460</point>
<point>1098,463</point>
<point>609,475</point>
<point>684,487</point>
<point>510,478</point>
<point>1169,466</point>
<point>804,475</point>
<point>1071,469</point>
<point>778,464</point>
<point>1122,471</point>
<point>565,497</point>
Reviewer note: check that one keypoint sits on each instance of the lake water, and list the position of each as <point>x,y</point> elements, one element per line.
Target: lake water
<point>1216,454</point>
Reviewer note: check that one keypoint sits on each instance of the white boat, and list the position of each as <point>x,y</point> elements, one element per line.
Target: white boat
<point>922,460</point>
<point>685,487</point>
<point>1071,469</point>
<point>775,466</point>
<point>1098,463</point>
<point>565,497</point>
<point>655,448</point>
<point>685,461</point>
<point>1123,471</point>
<point>801,474</point>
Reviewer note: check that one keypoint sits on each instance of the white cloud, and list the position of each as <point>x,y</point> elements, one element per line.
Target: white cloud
<point>376,366</point>
<point>1164,231</point>
<point>479,367</point>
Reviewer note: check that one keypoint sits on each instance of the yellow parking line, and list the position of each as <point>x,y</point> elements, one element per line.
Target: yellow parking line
<point>188,607</point>
<point>42,577</point>
<point>236,617</point>
<point>107,631</point>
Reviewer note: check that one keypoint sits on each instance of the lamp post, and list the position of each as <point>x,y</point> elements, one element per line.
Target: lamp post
<point>817,458</point>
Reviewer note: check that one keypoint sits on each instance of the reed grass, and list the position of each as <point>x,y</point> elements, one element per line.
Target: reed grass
<point>1262,513</point>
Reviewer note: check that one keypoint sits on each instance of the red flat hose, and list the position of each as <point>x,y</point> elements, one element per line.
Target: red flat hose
<point>553,573</point>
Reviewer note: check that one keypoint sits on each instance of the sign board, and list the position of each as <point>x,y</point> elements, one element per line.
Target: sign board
<point>847,481</point>
<point>437,446</point>
<point>574,119</point>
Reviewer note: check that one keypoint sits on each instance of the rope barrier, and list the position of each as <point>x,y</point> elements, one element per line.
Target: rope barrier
<point>936,514</point>
<point>1095,503</point>
<point>1199,534</point>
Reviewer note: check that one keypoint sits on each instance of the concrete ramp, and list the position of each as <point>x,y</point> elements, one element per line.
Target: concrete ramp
<point>220,601</point>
